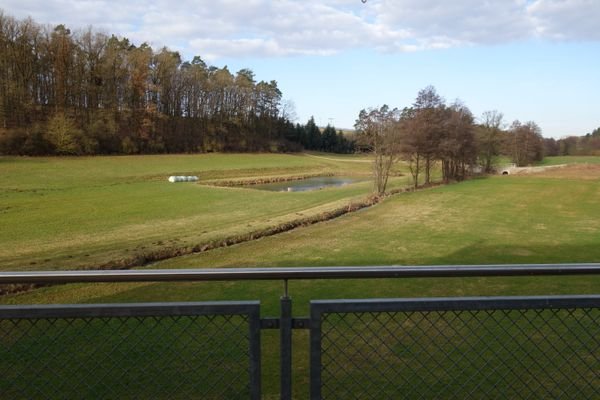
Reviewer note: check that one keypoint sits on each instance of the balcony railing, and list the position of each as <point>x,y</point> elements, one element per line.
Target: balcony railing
<point>455,347</point>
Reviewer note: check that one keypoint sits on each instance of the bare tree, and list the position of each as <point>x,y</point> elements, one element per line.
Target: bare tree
<point>489,138</point>
<point>288,110</point>
<point>379,130</point>
<point>457,148</point>
<point>427,125</point>
<point>525,143</point>
<point>412,145</point>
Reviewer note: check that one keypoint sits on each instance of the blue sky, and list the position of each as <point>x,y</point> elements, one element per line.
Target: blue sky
<point>532,60</point>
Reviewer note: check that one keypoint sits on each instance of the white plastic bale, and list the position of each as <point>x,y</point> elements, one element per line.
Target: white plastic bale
<point>175,178</point>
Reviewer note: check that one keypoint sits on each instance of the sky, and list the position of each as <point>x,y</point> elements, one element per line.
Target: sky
<point>532,60</point>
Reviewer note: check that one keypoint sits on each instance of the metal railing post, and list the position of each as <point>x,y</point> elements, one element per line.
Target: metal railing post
<point>285,332</point>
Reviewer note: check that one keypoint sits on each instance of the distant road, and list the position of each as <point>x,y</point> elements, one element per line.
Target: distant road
<point>336,159</point>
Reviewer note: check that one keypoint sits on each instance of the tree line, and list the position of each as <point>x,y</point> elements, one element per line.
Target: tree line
<point>586,145</point>
<point>311,137</point>
<point>431,133</point>
<point>64,92</point>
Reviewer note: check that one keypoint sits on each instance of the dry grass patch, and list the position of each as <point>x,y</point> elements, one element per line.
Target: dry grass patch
<point>575,171</point>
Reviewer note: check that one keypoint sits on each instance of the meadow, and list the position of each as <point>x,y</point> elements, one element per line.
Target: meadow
<point>90,212</point>
<point>551,217</point>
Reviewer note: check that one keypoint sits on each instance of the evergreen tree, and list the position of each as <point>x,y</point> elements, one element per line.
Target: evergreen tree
<point>329,139</point>
<point>313,135</point>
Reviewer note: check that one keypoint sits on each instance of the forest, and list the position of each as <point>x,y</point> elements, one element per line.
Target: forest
<point>85,92</point>
<point>73,93</point>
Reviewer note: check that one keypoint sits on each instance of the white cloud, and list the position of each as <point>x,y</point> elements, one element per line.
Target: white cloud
<point>457,22</point>
<point>567,20</point>
<point>213,48</point>
<point>275,28</point>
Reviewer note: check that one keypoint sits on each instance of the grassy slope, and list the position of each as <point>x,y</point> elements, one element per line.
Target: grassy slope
<point>517,219</point>
<point>570,160</point>
<point>49,207</point>
<point>494,220</point>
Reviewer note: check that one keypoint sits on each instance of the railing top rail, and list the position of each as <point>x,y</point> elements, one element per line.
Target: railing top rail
<point>235,274</point>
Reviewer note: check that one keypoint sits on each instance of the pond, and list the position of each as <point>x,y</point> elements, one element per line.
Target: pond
<point>304,185</point>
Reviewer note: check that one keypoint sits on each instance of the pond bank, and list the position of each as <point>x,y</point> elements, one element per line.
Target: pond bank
<point>262,180</point>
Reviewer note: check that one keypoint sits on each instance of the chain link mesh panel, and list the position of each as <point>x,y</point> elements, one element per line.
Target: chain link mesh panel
<point>146,356</point>
<point>494,353</point>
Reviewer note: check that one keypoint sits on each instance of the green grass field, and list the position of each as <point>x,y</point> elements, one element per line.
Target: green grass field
<point>552,217</point>
<point>515,219</point>
<point>63,213</point>
<point>570,160</point>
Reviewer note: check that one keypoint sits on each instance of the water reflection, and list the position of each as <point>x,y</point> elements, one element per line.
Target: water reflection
<point>304,185</point>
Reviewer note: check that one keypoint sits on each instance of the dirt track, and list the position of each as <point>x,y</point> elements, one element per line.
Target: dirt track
<point>532,170</point>
<point>337,159</point>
